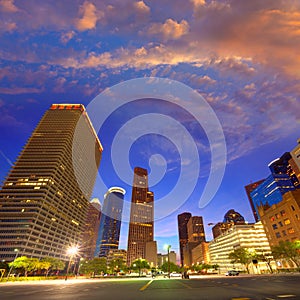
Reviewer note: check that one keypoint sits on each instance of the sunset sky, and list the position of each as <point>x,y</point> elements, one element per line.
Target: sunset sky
<point>242,57</point>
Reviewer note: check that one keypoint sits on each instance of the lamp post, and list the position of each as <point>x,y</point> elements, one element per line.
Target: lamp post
<point>168,249</point>
<point>17,253</point>
<point>71,251</point>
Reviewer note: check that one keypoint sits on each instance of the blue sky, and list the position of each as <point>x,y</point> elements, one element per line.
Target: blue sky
<point>242,57</point>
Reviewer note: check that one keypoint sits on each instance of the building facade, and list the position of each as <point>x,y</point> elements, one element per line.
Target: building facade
<point>271,190</point>
<point>141,226</point>
<point>231,218</point>
<point>200,254</point>
<point>281,221</point>
<point>91,229</point>
<point>110,222</point>
<point>163,258</point>
<point>43,208</point>
<point>249,188</point>
<point>250,236</point>
<point>183,233</point>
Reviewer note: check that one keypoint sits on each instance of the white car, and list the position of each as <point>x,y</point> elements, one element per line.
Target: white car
<point>174,274</point>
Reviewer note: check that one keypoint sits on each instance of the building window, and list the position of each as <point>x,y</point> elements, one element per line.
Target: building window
<point>277,216</point>
<point>274,226</point>
<point>287,221</point>
<point>278,235</point>
<point>297,217</point>
<point>291,230</point>
<point>293,208</point>
<point>272,219</point>
<point>283,232</point>
<point>280,223</point>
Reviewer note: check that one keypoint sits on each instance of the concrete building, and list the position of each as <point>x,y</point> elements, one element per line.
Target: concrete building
<point>44,202</point>
<point>91,228</point>
<point>141,226</point>
<point>250,236</point>
<point>151,253</point>
<point>183,233</point>
<point>200,254</point>
<point>116,254</point>
<point>282,220</point>
<point>163,258</point>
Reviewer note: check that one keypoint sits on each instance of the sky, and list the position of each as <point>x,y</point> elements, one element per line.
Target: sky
<point>211,93</point>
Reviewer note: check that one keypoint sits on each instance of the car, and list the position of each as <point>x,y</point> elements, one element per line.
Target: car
<point>232,273</point>
<point>174,274</point>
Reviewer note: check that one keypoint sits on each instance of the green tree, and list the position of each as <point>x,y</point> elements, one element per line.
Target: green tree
<point>288,250</point>
<point>140,264</point>
<point>265,257</point>
<point>173,267</point>
<point>25,263</point>
<point>117,265</point>
<point>51,263</point>
<point>242,256</point>
<point>94,266</point>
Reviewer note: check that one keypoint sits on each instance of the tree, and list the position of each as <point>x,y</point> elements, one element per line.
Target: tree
<point>265,257</point>
<point>140,264</point>
<point>25,263</point>
<point>51,263</point>
<point>173,267</point>
<point>242,256</point>
<point>288,250</point>
<point>94,266</point>
<point>117,265</point>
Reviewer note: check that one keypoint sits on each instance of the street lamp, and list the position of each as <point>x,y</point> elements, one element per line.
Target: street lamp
<point>168,248</point>
<point>72,251</point>
<point>17,253</point>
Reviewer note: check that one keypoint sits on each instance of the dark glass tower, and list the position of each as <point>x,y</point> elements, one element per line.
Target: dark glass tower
<point>183,232</point>
<point>110,222</point>
<point>141,216</point>
<point>43,208</point>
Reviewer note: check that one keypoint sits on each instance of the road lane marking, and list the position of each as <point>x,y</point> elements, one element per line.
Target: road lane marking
<point>285,296</point>
<point>146,285</point>
<point>185,285</point>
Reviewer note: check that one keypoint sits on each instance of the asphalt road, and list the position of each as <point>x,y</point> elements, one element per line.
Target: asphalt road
<point>211,287</point>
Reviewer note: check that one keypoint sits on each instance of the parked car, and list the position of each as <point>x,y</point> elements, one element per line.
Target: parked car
<point>232,273</point>
<point>174,274</point>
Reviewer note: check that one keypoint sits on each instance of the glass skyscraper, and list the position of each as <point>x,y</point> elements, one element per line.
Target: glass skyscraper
<point>110,222</point>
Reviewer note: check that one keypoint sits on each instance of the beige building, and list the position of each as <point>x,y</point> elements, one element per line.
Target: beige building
<point>151,253</point>
<point>250,236</point>
<point>43,204</point>
<point>282,220</point>
<point>200,254</point>
<point>163,258</point>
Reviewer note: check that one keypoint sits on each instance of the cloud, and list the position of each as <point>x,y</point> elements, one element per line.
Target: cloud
<point>8,6</point>
<point>142,7</point>
<point>90,16</point>
<point>67,36</point>
<point>170,29</point>
<point>19,90</point>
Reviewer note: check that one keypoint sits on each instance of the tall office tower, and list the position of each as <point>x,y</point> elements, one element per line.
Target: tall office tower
<point>271,191</point>
<point>90,234</point>
<point>231,218</point>
<point>110,223</point>
<point>141,216</point>
<point>43,206</point>
<point>195,230</point>
<point>183,232</point>
<point>295,153</point>
<point>284,165</point>
<point>249,188</point>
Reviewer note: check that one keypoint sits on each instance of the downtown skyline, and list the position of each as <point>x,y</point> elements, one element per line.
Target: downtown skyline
<point>246,68</point>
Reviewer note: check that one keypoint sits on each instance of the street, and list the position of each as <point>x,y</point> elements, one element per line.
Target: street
<point>203,287</point>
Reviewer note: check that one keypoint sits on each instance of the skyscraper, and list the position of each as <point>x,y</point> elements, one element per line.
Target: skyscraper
<point>141,216</point>
<point>91,229</point>
<point>183,232</point>
<point>249,188</point>
<point>110,223</point>
<point>43,208</point>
